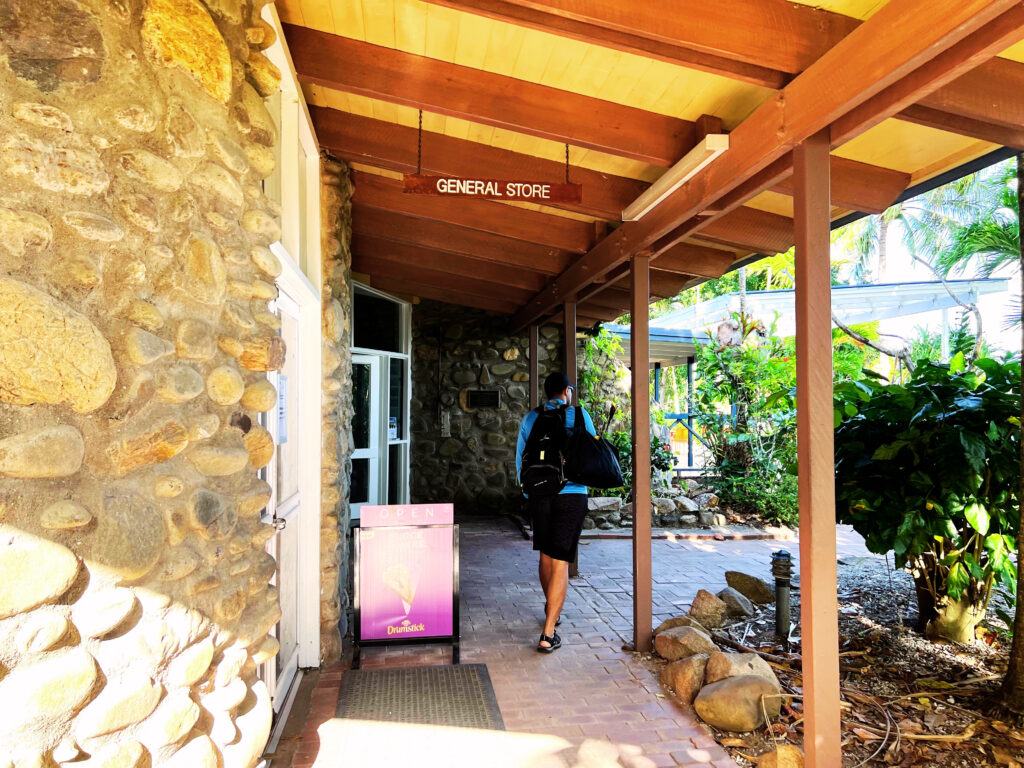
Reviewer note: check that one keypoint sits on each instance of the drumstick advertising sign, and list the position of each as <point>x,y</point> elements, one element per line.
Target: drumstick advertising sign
<point>406,573</point>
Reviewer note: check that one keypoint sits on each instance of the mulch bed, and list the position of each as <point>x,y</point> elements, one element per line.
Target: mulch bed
<point>906,701</point>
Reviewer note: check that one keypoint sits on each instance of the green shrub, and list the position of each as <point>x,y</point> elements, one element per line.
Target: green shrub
<point>929,470</point>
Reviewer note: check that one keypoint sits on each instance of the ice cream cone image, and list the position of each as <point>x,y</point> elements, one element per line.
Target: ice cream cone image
<point>397,578</point>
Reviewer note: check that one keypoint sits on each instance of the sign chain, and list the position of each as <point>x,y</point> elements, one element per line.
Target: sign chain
<point>566,163</point>
<point>419,146</point>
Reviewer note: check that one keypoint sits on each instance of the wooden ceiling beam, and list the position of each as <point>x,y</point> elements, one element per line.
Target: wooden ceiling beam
<point>983,99</point>
<point>388,145</point>
<point>490,99</point>
<point>445,294</point>
<point>696,260</point>
<point>437,236</point>
<point>964,126</point>
<point>456,265</point>
<point>413,273</point>
<point>901,39</point>
<point>749,228</point>
<point>859,186</point>
<point>732,39</point>
<point>556,232</point>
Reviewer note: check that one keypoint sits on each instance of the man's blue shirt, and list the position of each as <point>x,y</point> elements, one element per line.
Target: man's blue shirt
<point>570,421</point>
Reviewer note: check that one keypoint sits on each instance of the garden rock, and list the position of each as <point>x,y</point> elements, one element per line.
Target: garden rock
<point>724,665</point>
<point>705,500</point>
<point>669,521</point>
<point>706,518</point>
<point>736,603</point>
<point>708,609</point>
<point>687,521</point>
<point>680,621</point>
<point>785,756</point>
<point>663,506</point>
<point>734,704</point>
<point>682,642</point>
<point>605,526</point>
<point>686,504</point>
<point>606,505</point>
<point>719,519</point>
<point>686,676</point>
<point>751,587</point>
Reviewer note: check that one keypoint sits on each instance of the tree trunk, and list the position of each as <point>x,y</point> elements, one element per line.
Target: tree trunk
<point>883,251</point>
<point>741,276</point>
<point>955,621</point>
<point>1013,684</point>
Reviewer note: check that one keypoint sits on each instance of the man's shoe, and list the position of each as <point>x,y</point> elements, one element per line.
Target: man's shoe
<point>554,642</point>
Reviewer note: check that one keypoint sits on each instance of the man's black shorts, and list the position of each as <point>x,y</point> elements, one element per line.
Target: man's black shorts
<point>557,524</point>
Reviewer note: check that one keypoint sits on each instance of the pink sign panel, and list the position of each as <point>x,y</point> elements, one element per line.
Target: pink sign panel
<point>374,516</point>
<point>406,582</point>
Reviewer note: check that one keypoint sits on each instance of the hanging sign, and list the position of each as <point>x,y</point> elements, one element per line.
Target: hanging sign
<point>492,189</point>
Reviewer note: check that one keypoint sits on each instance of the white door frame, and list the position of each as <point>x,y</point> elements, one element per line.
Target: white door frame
<point>372,452</point>
<point>297,287</point>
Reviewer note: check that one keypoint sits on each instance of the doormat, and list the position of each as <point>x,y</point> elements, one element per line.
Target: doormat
<point>460,696</point>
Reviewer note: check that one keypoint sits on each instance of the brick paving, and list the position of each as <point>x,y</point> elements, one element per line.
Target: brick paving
<point>600,699</point>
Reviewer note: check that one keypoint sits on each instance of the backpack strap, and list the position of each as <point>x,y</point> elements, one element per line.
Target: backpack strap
<point>577,420</point>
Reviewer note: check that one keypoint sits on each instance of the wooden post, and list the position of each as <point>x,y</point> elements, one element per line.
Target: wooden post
<point>819,619</point>
<point>569,355</point>
<point>639,356</point>
<point>534,355</point>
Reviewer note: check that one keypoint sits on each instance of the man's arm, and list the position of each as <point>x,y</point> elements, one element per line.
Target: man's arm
<point>589,423</point>
<point>524,432</point>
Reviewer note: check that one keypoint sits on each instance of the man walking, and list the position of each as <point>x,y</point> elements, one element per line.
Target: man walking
<point>557,519</point>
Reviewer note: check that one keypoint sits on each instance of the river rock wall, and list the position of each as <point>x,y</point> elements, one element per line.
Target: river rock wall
<point>135,338</point>
<point>456,350</point>
<point>335,594</point>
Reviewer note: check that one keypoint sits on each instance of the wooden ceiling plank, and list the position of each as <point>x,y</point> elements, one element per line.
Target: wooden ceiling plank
<point>896,41</point>
<point>437,236</point>
<point>620,40</point>
<point>490,99</point>
<point>413,273</point>
<point>457,265</point>
<point>447,295</point>
<point>392,146</point>
<point>665,285</point>
<point>493,218</point>
<point>964,126</point>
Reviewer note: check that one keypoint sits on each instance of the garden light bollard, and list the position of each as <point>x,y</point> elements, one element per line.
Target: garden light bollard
<point>782,570</point>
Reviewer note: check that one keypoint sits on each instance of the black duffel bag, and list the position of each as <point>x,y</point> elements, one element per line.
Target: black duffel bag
<point>591,460</point>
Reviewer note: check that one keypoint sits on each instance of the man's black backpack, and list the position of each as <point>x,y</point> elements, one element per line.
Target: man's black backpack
<point>541,473</point>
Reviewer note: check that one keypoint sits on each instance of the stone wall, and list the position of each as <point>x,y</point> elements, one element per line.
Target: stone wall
<point>469,349</point>
<point>134,340</point>
<point>335,598</point>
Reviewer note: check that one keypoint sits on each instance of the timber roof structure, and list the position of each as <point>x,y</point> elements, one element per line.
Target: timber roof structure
<point>908,90</point>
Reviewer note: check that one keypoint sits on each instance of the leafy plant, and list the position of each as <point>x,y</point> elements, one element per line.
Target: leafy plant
<point>661,458</point>
<point>929,470</point>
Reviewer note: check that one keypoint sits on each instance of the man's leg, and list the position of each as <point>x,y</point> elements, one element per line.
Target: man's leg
<point>557,585</point>
<point>544,572</point>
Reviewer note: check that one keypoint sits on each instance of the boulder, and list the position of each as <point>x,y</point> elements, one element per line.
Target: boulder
<point>685,676</point>
<point>605,505</point>
<point>784,756</point>
<point>724,665</point>
<point>687,505</point>
<point>663,506</point>
<point>680,621</point>
<point>669,521</point>
<point>736,603</point>
<point>682,642</point>
<point>751,587</point>
<point>687,521</point>
<point>708,609</point>
<point>735,704</point>
<point>705,518</point>
<point>705,500</point>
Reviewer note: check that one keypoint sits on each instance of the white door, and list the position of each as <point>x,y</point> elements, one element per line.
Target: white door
<point>366,432</point>
<point>286,502</point>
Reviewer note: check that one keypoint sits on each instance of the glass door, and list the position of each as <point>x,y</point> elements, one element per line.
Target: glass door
<point>366,432</point>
